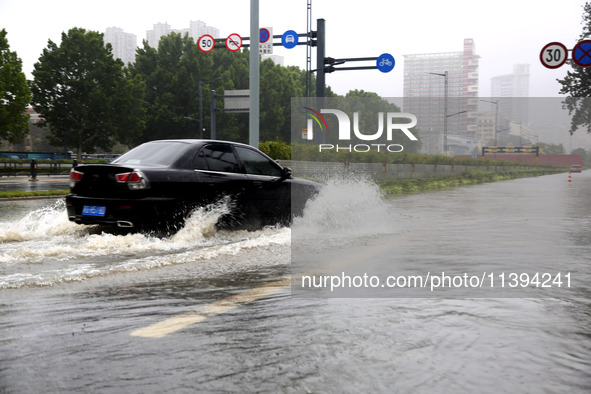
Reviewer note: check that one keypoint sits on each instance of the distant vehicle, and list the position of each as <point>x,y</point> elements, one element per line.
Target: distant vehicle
<point>157,184</point>
<point>576,168</point>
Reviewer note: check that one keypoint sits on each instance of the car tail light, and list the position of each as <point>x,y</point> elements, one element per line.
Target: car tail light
<point>75,177</point>
<point>135,180</point>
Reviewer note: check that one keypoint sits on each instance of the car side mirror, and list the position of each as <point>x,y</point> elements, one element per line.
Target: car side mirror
<point>285,173</point>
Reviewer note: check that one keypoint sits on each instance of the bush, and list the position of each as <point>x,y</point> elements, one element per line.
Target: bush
<point>276,150</point>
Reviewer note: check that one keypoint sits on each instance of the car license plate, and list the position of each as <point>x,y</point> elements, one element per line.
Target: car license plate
<point>94,210</point>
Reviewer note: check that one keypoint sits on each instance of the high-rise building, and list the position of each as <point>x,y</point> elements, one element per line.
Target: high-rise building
<point>199,28</point>
<point>512,85</point>
<point>159,30</point>
<point>511,92</point>
<point>124,44</point>
<point>441,89</point>
<point>195,30</point>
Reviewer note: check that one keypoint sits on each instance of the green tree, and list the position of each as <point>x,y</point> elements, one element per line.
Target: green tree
<point>14,94</point>
<point>585,156</point>
<point>172,74</point>
<point>577,84</point>
<point>234,74</point>
<point>83,94</point>
<point>278,85</point>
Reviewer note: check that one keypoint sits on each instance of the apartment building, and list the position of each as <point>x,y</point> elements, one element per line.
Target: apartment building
<point>441,89</point>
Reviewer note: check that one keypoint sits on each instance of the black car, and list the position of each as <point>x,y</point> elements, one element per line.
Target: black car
<point>157,184</point>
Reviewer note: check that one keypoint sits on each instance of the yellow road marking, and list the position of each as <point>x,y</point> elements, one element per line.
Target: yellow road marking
<point>179,322</point>
<point>176,323</point>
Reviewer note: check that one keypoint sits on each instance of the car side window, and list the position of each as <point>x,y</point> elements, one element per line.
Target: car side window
<point>199,162</point>
<point>257,164</point>
<point>216,158</point>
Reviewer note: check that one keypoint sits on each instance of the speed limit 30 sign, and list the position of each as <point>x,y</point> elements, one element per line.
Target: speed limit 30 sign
<point>206,43</point>
<point>554,55</point>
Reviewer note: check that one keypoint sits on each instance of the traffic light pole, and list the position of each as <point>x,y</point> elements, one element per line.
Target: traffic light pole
<point>320,54</point>
<point>254,84</point>
<point>324,65</point>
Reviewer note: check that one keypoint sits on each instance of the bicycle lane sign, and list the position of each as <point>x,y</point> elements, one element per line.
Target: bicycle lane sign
<point>385,62</point>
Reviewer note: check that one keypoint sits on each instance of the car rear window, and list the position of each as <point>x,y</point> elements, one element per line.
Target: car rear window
<point>153,154</point>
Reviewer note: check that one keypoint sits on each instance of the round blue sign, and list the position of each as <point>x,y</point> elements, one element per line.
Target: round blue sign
<point>582,53</point>
<point>289,39</point>
<point>264,35</point>
<point>385,62</point>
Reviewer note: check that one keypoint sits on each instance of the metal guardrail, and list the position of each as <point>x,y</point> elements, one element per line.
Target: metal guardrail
<point>12,168</point>
<point>388,171</point>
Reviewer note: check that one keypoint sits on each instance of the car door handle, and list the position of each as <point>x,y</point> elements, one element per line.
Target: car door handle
<point>258,183</point>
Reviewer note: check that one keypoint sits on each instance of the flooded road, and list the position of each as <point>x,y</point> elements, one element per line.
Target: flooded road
<point>204,311</point>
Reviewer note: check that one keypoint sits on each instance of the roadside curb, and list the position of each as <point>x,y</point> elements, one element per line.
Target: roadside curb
<point>49,197</point>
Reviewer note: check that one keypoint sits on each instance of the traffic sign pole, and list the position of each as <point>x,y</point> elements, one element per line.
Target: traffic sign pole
<point>254,77</point>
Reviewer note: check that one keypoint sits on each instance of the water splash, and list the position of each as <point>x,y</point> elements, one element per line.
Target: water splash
<point>201,223</point>
<point>45,222</point>
<point>44,248</point>
<point>346,207</point>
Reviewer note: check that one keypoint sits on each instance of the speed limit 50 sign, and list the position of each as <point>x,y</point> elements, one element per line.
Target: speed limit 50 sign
<point>554,55</point>
<point>206,43</point>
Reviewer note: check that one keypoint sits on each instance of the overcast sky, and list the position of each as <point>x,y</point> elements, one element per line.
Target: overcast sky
<point>505,32</point>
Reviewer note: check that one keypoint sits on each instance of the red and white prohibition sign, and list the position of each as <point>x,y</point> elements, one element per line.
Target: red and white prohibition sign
<point>233,42</point>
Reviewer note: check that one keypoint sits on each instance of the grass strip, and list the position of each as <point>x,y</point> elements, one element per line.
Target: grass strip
<point>36,193</point>
<point>416,185</point>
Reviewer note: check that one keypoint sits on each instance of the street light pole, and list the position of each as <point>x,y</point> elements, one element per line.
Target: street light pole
<point>200,109</point>
<point>446,94</point>
<point>496,102</point>
<point>201,104</point>
<point>212,115</point>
